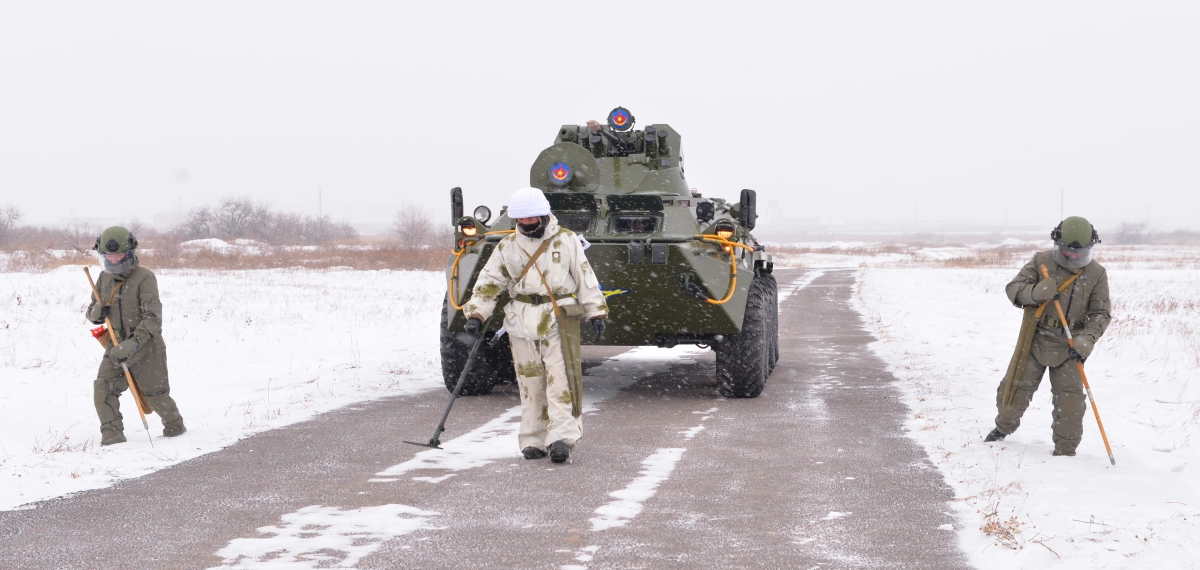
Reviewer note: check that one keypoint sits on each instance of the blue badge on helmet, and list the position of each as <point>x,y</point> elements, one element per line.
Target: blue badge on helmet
<point>620,119</point>
<point>561,173</point>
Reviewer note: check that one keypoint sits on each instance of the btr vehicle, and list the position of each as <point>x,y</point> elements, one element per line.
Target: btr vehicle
<point>675,267</point>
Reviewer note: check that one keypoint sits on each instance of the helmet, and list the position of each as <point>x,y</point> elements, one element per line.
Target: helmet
<point>1073,241</point>
<point>113,241</point>
<point>528,203</point>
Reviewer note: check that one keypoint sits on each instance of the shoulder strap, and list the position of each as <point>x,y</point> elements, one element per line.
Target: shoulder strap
<point>533,258</point>
<point>1061,288</point>
<point>538,253</point>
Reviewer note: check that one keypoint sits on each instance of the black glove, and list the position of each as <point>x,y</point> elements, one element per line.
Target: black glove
<point>473,325</point>
<point>598,326</point>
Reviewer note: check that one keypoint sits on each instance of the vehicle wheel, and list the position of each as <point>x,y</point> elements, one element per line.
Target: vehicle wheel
<point>455,348</point>
<point>500,361</point>
<point>743,361</point>
<point>773,311</point>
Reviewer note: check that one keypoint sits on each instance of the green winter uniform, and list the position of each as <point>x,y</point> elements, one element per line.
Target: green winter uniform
<point>1086,305</point>
<point>135,313</point>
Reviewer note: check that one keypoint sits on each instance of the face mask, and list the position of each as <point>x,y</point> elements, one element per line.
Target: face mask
<point>534,230</point>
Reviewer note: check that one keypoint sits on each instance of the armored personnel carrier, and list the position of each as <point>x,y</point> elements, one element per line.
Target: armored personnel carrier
<point>675,267</point>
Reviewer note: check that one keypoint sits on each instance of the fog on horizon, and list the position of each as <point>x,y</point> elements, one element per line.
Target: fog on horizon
<point>865,111</point>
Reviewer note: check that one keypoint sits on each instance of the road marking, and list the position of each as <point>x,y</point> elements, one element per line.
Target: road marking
<point>323,537</point>
<point>800,283</point>
<point>496,439</point>
<point>479,447</point>
<point>629,501</point>
<point>309,535</point>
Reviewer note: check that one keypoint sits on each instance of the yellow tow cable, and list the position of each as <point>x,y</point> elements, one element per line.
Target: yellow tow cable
<point>457,256</point>
<point>732,263</point>
<point>703,237</point>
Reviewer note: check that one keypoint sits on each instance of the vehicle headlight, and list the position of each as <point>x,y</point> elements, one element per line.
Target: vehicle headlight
<point>724,230</point>
<point>483,214</point>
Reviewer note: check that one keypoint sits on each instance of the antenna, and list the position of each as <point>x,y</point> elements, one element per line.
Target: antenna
<point>1062,200</point>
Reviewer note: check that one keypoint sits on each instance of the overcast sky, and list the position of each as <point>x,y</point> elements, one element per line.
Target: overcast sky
<point>842,110</point>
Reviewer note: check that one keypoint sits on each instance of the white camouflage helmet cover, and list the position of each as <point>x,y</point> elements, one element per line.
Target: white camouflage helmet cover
<point>528,203</point>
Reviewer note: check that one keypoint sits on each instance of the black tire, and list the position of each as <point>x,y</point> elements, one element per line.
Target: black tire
<point>744,359</point>
<point>500,361</point>
<point>773,310</point>
<point>455,348</point>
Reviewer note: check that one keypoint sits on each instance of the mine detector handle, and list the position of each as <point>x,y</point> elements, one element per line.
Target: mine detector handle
<point>1083,376</point>
<point>435,442</point>
<point>142,407</point>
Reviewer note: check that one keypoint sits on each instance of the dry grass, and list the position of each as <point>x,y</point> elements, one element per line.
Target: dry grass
<point>1004,528</point>
<point>54,443</point>
<point>320,257</point>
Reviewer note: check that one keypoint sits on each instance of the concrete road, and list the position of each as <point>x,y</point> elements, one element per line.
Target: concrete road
<point>815,473</point>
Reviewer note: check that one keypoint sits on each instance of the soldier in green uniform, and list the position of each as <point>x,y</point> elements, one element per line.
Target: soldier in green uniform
<point>136,316</point>
<point>1043,344</point>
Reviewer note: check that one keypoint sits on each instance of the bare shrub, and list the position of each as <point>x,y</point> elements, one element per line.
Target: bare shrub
<point>9,216</point>
<point>242,218</point>
<point>1131,234</point>
<point>80,237</point>
<point>413,227</point>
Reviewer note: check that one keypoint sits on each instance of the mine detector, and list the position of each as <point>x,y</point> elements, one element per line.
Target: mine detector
<point>675,267</point>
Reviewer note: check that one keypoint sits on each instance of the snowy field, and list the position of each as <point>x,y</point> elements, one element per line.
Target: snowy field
<point>948,333</point>
<point>248,351</point>
<point>257,350</point>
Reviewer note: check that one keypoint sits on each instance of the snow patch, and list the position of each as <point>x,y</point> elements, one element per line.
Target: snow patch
<point>272,370</point>
<point>948,334</point>
<point>210,243</point>
<point>323,537</point>
<point>657,468</point>
<point>481,446</point>
<point>800,283</point>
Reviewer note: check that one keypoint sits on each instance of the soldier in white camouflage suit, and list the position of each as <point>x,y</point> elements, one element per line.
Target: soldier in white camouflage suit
<point>547,421</point>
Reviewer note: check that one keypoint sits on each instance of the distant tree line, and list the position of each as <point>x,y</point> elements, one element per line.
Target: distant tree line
<point>413,227</point>
<point>243,218</point>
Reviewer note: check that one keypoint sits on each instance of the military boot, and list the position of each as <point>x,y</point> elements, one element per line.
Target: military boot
<point>995,435</point>
<point>112,432</point>
<point>533,453</point>
<point>1063,452</point>
<point>559,451</point>
<point>174,428</point>
<point>110,437</point>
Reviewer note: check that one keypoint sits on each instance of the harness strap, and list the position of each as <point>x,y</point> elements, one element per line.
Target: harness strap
<point>1061,288</point>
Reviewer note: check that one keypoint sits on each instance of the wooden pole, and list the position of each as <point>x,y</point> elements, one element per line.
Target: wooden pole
<point>1071,342</point>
